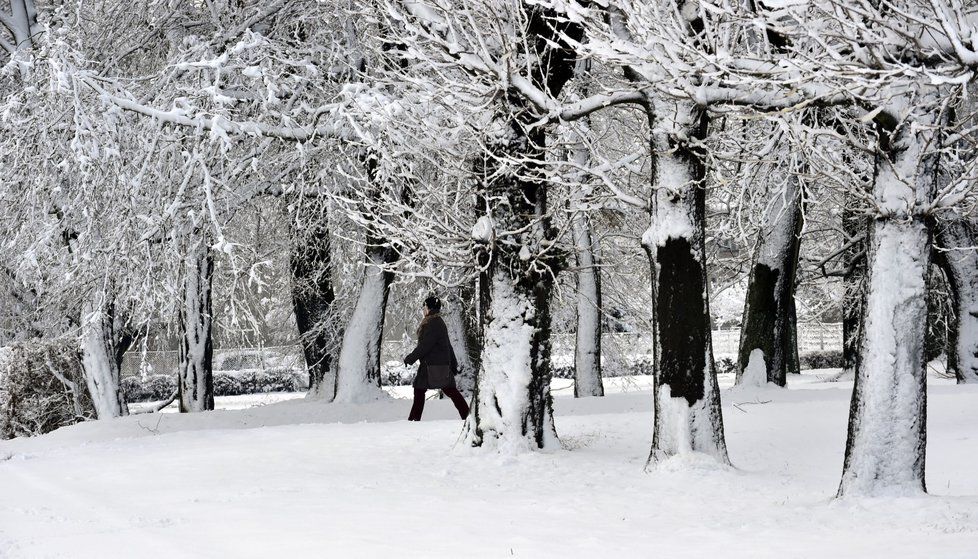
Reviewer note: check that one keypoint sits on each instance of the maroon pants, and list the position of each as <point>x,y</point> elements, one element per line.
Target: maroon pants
<point>460,404</point>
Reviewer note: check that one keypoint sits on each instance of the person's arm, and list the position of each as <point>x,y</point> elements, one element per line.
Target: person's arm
<point>426,341</point>
<point>451,351</point>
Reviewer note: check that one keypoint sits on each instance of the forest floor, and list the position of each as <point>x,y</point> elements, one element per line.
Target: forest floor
<point>300,478</point>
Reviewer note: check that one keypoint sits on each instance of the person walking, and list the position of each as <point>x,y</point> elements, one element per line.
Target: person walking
<point>438,364</point>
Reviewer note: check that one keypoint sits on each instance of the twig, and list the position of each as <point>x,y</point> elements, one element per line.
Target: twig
<point>155,430</point>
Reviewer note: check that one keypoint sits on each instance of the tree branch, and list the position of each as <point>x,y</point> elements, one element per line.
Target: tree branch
<point>7,21</point>
<point>226,126</point>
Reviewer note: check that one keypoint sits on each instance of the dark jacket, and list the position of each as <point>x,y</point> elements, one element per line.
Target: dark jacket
<point>434,348</point>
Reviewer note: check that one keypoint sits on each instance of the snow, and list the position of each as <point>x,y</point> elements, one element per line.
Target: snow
<point>301,478</point>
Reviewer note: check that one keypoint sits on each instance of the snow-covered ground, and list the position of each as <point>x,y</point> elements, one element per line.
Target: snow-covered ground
<point>304,479</point>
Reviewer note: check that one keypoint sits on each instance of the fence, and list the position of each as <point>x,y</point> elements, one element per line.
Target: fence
<point>812,336</point>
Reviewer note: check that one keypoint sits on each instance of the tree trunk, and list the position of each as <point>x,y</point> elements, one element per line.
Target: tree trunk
<point>104,340</point>
<point>311,267</point>
<point>22,23</point>
<point>587,349</point>
<point>856,228</point>
<point>886,442</point>
<point>512,406</point>
<point>766,352</point>
<point>958,258</point>
<point>358,374</point>
<point>195,383</point>
<point>686,394</point>
<point>463,331</point>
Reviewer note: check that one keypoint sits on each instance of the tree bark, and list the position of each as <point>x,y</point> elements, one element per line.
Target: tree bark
<point>195,383</point>
<point>767,335</point>
<point>885,448</point>
<point>686,395</point>
<point>311,266</point>
<point>958,259</point>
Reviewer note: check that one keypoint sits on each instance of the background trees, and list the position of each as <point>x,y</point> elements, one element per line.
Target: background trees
<point>482,151</point>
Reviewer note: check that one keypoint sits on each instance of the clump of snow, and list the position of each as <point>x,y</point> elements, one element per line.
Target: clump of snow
<point>482,230</point>
<point>682,428</point>
<point>670,220</point>
<point>755,374</point>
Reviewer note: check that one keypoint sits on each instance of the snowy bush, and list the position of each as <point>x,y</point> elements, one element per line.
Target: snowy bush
<point>161,387</point>
<point>828,359</point>
<point>625,368</point>
<point>270,380</point>
<point>41,389</point>
<point>396,373</point>
<point>152,388</point>
<point>226,384</point>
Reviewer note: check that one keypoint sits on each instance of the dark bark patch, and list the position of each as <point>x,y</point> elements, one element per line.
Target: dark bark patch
<point>682,323</point>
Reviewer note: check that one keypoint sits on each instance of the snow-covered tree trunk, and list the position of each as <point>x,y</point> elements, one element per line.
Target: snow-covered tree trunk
<point>102,348</point>
<point>311,267</point>
<point>512,405</point>
<point>195,382</point>
<point>885,448</point>
<point>958,258</point>
<point>460,318</point>
<point>767,337</point>
<point>687,397</point>
<point>358,372</point>
<point>587,350</point>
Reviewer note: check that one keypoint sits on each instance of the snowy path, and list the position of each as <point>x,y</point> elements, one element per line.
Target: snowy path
<point>306,480</point>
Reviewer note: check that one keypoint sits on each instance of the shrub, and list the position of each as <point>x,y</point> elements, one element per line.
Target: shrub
<point>154,387</point>
<point>41,388</point>
<point>396,373</point>
<point>133,390</point>
<point>828,359</point>
<point>625,368</point>
<point>226,385</point>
